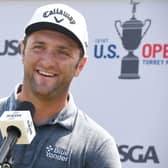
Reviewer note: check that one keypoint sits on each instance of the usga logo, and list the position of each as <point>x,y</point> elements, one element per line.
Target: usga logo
<point>138,154</point>
<point>10,48</point>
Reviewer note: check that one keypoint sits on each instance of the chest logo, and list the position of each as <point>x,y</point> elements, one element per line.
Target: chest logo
<point>56,153</point>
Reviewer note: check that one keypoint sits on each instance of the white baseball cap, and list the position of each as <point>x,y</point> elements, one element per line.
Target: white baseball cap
<point>62,18</point>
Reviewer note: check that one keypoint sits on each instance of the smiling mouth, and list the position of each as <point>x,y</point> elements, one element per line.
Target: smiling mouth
<point>46,74</point>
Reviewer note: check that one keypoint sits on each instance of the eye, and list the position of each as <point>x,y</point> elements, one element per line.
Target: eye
<point>64,54</point>
<point>38,48</point>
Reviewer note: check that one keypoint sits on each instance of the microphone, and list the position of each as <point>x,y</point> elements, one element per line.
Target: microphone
<point>16,127</point>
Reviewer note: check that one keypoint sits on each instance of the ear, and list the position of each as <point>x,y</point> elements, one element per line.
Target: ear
<point>80,66</point>
<point>22,50</point>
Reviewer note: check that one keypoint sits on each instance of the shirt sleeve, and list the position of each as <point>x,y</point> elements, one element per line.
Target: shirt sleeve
<point>105,156</point>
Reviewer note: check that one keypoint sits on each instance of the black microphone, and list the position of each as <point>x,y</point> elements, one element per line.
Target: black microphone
<point>16,127</point>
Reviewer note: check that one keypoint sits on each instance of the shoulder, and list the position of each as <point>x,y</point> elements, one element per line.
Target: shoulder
<point>91,129</point>
<point>99,145</point>
<point>3,103</point>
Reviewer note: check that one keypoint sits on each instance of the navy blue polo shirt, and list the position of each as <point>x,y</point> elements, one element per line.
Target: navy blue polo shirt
<point>69,140</point>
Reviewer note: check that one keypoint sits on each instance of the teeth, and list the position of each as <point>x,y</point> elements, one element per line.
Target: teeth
<point>46,74</point>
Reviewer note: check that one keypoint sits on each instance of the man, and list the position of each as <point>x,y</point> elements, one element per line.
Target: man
<point>53,52</point>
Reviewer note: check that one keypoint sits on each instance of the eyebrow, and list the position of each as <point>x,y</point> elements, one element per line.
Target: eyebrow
<point>38,42</point>
<point>61,47</point>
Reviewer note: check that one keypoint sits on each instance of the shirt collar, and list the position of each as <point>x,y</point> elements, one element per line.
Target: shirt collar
<point>65,118</point>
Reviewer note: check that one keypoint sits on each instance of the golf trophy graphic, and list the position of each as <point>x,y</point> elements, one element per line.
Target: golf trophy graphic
<point>131,33</point>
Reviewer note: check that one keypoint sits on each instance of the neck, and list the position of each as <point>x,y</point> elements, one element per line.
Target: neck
<point>45,108</point>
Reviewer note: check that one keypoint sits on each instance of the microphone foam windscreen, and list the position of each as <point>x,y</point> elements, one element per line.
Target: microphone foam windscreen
<point>25,105</point>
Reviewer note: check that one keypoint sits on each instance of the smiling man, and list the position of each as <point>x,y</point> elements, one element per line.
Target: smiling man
<point>53,53</point>
<point>51,59</point>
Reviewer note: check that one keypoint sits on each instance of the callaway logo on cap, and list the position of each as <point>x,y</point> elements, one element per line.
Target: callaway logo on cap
<point>61,18</point>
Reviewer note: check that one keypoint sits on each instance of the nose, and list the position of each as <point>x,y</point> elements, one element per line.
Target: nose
<point>48,59</point>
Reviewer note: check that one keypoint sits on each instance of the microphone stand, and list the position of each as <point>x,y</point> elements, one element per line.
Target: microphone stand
<point>6,159</point>
<point>7,164</point>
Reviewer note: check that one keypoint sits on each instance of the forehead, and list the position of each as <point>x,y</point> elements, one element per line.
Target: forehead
<point>55,37</point>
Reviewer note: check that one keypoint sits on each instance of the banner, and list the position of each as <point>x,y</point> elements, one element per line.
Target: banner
<point>124,84</point>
